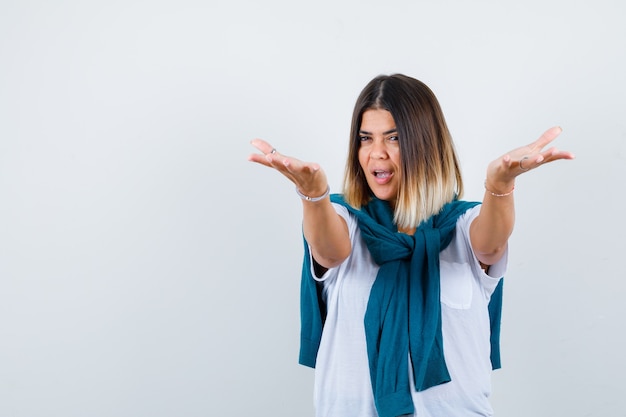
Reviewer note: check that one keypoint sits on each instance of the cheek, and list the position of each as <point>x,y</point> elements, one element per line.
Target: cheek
<point>362,159</point>
<point>398,163</point>
<point>395,157</point>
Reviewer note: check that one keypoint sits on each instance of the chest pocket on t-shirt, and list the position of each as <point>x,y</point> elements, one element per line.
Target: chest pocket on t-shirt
<point>456,284</point>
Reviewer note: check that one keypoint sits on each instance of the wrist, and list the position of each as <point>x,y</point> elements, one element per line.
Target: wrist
<point>314,198</point>
<point>500,189</point>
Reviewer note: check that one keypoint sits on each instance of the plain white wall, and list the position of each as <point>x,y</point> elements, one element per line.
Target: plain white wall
<point>148,269</point>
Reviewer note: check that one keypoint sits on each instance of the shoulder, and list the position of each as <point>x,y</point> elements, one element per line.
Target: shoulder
<point>468,216</point>
<point>451,212</point>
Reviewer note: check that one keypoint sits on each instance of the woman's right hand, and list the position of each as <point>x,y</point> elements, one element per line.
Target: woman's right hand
<point>325,231</point>
<point>308,177</point>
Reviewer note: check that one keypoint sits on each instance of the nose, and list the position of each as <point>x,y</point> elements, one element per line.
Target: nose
<point>378,150</point>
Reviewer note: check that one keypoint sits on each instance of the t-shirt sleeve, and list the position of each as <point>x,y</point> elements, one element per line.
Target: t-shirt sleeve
<point>490,279</point>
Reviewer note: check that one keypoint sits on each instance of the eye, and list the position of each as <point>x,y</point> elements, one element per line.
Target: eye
<point>394,138</point>
<point>363,138</point>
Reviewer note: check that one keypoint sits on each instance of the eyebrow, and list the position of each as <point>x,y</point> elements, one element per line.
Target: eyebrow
<point>394,130</point>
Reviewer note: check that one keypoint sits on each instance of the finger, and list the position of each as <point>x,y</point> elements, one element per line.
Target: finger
<point>273,162</point>
<point>547,137</point>
<point>528,162</point>
<point>506,161</point>
<point>295,170</point>
<point>268,151</point>
<point>297,166</point>
<point>259,159</point>
<point>290,167</point>
<point>262,146</point>
<point>554,154</point>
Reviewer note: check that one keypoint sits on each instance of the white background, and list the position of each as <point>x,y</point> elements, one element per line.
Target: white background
<point>148,269</point>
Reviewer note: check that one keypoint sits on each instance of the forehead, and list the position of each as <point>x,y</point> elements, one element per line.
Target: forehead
<point>374,120</point>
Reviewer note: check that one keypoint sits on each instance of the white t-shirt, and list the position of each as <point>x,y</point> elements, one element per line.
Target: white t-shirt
<point>342,378</point>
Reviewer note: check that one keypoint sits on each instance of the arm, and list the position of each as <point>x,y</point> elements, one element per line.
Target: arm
<point>326,231</point>
<point>491,229</point>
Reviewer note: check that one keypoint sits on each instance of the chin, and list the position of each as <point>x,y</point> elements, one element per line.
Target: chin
<point>385,196</point>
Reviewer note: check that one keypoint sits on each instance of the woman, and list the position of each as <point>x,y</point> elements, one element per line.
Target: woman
<point>401,279</point>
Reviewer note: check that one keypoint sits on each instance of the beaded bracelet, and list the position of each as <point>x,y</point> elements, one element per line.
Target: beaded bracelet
<point>313,199</point>
<point>496,194</point>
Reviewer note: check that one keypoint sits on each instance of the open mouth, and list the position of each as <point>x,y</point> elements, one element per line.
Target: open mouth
<point>382,174</point>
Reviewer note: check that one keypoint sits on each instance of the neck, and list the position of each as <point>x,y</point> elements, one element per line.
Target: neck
<point>407,230</point>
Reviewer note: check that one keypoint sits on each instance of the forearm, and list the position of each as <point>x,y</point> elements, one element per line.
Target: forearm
<point>490,231</point>
<point>326,233</point>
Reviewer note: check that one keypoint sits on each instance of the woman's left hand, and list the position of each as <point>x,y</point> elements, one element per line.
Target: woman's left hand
<point>502,172</point>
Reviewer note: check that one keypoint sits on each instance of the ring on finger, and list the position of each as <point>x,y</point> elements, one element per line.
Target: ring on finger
<point>521,165</point>
<point>273,151</point>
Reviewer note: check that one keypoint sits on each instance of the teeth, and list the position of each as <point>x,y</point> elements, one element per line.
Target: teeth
<point>381,174</point>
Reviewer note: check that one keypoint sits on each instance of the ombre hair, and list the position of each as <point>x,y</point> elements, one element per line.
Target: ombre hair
<point>430,171</point>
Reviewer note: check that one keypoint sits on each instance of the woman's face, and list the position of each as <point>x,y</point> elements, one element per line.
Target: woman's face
<point>379,154</point>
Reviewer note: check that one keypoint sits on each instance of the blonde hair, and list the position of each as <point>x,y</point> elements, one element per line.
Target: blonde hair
<point>431,175</point>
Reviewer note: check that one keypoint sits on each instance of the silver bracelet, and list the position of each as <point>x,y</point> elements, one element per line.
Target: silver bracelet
<point>313,199</point>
